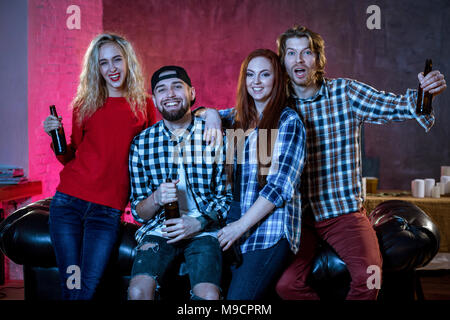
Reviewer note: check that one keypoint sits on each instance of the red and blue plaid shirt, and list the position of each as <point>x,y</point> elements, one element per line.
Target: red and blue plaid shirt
<point>331,180</point>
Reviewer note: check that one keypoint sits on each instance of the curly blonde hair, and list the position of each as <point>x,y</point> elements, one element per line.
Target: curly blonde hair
<point>92,91</point>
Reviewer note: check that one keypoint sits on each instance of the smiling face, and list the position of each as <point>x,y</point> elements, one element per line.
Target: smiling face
<point>173,98</point>
<point>113,68</point>
<point>259,80</point>
<point>300,62</point>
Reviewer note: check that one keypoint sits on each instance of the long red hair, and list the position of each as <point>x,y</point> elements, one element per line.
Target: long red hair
<point>246,114</point>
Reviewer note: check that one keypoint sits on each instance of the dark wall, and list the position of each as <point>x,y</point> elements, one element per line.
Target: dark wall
<point>211,38</point>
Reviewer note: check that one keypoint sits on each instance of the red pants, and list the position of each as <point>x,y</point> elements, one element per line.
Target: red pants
<point>353,239</point>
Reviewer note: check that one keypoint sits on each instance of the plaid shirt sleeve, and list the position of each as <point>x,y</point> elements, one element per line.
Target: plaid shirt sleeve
<point>381,107</point>
<point>288,161</point>
<point>222,190</point>
<point>138,179</point>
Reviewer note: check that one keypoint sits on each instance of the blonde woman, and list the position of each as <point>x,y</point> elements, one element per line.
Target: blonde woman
<point>110,108</point>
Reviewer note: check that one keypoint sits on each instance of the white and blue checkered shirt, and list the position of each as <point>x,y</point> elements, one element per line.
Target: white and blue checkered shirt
<point>331,182</point>
<point>154,158</point>
<point>282,187</point>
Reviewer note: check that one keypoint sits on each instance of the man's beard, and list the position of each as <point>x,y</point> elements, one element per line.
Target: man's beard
<point>174,115</point>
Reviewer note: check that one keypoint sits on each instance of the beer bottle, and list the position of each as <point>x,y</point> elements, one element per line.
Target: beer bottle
<point>171,209</point>
<point>232,256</point>
<point>423,106</point>
<point>58,136</point>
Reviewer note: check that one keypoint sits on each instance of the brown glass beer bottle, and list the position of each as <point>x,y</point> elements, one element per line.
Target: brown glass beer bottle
<point>171,209</point>
<point>423,106</point>
<point>58,136</point>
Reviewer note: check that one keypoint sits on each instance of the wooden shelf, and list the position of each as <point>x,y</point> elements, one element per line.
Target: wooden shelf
<point>12,192</point>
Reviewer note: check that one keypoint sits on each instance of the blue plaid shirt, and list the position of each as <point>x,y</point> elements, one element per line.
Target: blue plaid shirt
<point>154,157</point>
<point>282,187</point>
<point>331,182</point>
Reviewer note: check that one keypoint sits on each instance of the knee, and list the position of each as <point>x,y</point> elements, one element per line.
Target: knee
<point>209,295</point>
<point>290,287</point>
<point>287,283</point>
<point>365,274</point>
<point>138,293</point>
<point>207,291</point>
<point>283,287</point>
<point>280,288</point>
<point>141,288</point>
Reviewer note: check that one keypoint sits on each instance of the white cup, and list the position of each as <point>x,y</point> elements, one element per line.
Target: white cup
<point>445,170</point>
<point>436,192</point>
<point>441,187</point>
<point>429,184</point>
<point>445,184</point>
<point>418,188</point>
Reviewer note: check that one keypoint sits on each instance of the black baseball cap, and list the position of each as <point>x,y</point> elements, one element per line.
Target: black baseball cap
<point>177,72</point>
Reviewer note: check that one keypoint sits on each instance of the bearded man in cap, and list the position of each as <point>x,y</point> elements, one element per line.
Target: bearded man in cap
<point>171,162</point>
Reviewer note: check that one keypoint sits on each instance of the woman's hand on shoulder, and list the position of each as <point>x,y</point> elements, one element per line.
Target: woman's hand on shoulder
<point>213,127</point>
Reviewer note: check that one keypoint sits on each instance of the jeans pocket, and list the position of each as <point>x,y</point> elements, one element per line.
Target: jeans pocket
<point>61,199</point>
<point>113,213</point>
<point>108,216</point>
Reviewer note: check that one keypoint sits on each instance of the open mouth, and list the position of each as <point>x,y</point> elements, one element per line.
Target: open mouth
<point>114,77</point>
<point>257,89</point>
<point>300,72</point>
<point>171,104</point>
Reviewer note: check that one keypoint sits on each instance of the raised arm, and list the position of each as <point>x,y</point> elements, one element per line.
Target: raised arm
<point>375,106</point>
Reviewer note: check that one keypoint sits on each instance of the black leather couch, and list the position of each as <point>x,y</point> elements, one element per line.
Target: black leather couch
<point>408,239</point>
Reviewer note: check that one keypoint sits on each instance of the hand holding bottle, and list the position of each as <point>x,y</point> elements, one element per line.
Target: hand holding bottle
<point>54,128</point>
<point>434,82</point>
<point>166,193</point>
<point>181,228</point>
<point>52,123</point>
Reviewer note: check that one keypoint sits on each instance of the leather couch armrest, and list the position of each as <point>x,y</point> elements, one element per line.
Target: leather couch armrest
<point>407,236</point>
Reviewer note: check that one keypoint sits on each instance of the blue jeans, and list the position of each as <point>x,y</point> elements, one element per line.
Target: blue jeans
<point>260,269</point>
<point>83,235</point>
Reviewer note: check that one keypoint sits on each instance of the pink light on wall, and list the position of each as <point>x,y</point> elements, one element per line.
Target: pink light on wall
<point>55,55</point>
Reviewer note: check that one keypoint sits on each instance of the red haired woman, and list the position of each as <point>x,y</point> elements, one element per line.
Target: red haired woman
<point>265,216</point>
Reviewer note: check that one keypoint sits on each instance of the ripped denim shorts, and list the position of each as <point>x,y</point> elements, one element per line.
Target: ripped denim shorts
<point>203,258</point>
